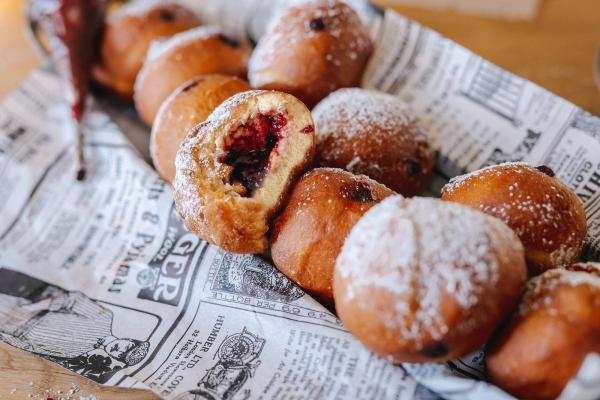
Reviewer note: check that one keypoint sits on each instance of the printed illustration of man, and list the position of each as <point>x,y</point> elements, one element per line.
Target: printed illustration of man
<point>90,347</point>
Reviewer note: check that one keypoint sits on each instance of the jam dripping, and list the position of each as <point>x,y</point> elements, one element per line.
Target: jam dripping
<point>71,31</point>
<point>249,146</point>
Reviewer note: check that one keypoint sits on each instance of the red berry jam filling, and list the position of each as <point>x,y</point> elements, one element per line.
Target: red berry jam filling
<point>248,148</point>
<point>308,129</point>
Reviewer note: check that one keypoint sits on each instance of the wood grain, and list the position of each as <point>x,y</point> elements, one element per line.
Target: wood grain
<point>26,377</point>
<point>556,50</point>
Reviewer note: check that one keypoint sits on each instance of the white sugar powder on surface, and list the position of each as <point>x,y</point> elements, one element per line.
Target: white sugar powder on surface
<point>538,290</point>
<point>357,111</point>
<point>419,249</point>
<point>536,213</point>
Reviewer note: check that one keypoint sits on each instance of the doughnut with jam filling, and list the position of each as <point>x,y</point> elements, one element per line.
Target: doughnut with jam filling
<point>234,170</point>
<point>189,105</point>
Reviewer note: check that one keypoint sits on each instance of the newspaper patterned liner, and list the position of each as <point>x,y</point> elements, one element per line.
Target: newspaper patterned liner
<point>98,276</point>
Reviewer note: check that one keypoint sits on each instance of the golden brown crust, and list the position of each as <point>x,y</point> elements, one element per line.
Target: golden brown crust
<point>186,107</point>
<point>557,325</point>
<point>212,192</point>
<point>422,280</point>
<point>312,50</point>
<point>204,50</point>
<point>546,215</point>
<point>309,233</point>
<point>127,36</point>
<point>373,133</point>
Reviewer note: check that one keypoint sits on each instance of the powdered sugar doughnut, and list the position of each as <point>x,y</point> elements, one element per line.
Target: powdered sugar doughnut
<point>234,170</point>
<point>311,50</point>
<point>189,105</point>
<point>309,233</point>
<point>373,133</point>
<point>126,38</point>
<point>546,215</point>
<point>199,51</point>
<point>422,280</point>
<point>556,327</point>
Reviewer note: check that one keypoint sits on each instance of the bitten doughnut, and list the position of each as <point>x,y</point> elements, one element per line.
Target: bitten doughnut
<point>127,35</point>
<point>309,233</point>
<point>422,280</point>
<point>234,170</point>
<point>373,133</point>
<point>556,327</point>
<point>185,108</point>
<point>200,51</point>
<point>311,50</point>
<point>546,215</point>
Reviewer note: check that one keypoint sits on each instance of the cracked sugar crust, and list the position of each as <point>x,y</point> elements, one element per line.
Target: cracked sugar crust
<point>420,251</point>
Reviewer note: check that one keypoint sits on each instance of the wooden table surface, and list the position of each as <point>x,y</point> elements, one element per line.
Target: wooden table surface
<point>556,50</point>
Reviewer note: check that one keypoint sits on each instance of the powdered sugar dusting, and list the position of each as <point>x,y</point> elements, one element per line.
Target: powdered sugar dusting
<point>355,111</point>
<point>541,210</point>
<point>320,17</point>
<point>402,247</point>
<point>538,290</point>
<point>458,181</point>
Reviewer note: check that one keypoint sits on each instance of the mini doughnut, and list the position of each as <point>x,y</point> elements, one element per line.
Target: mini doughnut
<point>556,327</point>
<point>311,50</point>
<point>127,35</point>
<point>185,108</point>
<point>308,235</point>
<point>373,133</point>
<point>546,215</point>
<point>200,51</point>
<point>422,280</point>
<point>234,170</point>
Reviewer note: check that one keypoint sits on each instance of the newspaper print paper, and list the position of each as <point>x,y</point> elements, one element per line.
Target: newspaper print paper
<point>103,278</point>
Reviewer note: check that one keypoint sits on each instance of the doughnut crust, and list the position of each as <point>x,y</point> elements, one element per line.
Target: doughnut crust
<point>126,38</point>
<point>546,215</point>
<point>373,133</point>
<point>200,51</point>
<point>421,280</point>
<point>311,50</point>
<point>556,327</point>
<point>189,105</point>
<point>308,235</point>
<point>234,171</point>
